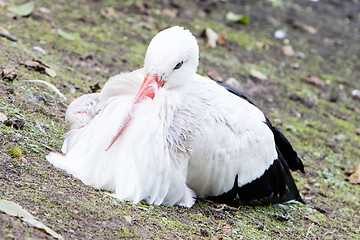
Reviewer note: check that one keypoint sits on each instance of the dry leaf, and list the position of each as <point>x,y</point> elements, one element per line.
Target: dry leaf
<point>32,64</point>
<point>8,74</point>
<point>309,29</point>
<point>236,18</point>
<point>214,75</point>
<point>35,63</point>
<point>211,37</point>
<point>349,171</point>
<point>95,87</point>
<point>86,78</point>
<point>108,12</point>
<point>16,151</point>
<point>13,209</point>
<point>88,20</point>
<point>4,30</point>
<point>288,50</point>
<point>297,24</point>
<point>222,39</point>
<point>273,21</point>
<point>308,102</point>
<point>142,8</point>
<point>23,10</point>
<point>226,230</point>
<point>39,65</point>
<point>355,177</point>
<point>259,44</point>
<point>44,10</point>
<point>312,219</point>
<point>314,81</point>
<point>69,100</point>
<point>51,72</point>
<point>201,14</point>
<point>169,13</point>
<point>3,117</point>
<point>5,33</point>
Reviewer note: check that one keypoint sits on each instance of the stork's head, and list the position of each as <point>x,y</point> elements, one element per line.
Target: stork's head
<point>172,57</point>
<point>171,60</point>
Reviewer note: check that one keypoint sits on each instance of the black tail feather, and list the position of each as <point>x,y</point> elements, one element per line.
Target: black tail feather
<point>276,185</point>
<point>289,154</point>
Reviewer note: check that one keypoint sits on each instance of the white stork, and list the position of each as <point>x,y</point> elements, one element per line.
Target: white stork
<point>166,135</point>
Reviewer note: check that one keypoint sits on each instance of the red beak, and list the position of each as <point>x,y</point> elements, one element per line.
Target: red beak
<point>147,90</point>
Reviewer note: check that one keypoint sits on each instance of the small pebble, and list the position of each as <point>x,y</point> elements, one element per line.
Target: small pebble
<point>258,75</point>
<point>357,131</point>
<point>295,66</point>
<point>356,94</point>
<point>280,34</point>
<point>232,82</point>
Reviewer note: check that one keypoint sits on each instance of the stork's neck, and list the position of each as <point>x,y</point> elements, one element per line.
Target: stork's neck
<point>171,100</point>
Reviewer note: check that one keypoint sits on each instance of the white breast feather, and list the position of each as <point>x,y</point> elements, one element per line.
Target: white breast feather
<point>133,173</point>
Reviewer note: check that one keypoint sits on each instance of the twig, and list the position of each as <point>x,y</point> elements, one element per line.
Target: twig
<point>8,36</point>
<point>308,232</point>
<point>49,85</point>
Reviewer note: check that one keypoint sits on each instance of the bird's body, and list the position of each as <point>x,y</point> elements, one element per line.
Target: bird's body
<point>181,136</point>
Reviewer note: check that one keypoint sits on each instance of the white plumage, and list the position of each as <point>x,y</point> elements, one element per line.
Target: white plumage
<point>185,137</point>
<point>82,112</point>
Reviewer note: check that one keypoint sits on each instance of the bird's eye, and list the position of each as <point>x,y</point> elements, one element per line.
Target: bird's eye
<point>178,65</point>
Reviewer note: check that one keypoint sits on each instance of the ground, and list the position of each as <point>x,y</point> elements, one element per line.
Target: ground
<point>86,42</point>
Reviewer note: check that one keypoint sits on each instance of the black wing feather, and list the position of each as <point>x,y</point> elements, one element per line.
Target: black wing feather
<point>276,185</point>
